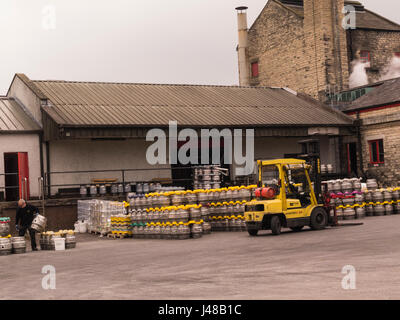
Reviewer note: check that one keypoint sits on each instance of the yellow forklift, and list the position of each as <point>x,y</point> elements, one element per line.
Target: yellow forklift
<point>289,195</point>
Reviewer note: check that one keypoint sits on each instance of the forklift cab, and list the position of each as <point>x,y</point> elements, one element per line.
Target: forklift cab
<point>289,179</point>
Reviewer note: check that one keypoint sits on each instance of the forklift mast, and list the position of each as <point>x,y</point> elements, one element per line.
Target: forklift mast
<point>310,152</point>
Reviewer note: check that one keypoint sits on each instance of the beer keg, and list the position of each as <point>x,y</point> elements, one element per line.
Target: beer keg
<point>349,213</point>
<point>388,209</point>
<point>196,231</point>
<point>360,212</point>
<point>377,196</point>
<point>39,223</point>
<point>18,245</point>
<point>379,210</point>
<point>5,246</point>
<point>372,184</point>
<point>369,211</point>
<point>70,241</point>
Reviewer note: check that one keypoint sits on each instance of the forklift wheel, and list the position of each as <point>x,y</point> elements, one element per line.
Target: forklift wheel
<point>252,232</point>
<point>276,225</point>
<point>319,219</point>
<point>297,229</point>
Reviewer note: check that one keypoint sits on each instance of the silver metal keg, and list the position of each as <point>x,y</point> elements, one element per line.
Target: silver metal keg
<point>70,241</point>
<point>349,213</point>
<point>83,191</point>
<point>39,223</point>
<point>388,209</point>
<point>196,231</point>
<point>93,191</point>
<point>377,196</point>
<point>372,184</point>
<point>360,212</point>
<point>379,210</point>
<point>18,245</point>
<point>369,211</point>
<point>102,190</point>
<point>5,246</point>
<point>387,195</point>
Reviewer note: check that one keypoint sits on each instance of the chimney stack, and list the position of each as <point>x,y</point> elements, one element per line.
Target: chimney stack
<point>244,67</point>
<point>326,43</point>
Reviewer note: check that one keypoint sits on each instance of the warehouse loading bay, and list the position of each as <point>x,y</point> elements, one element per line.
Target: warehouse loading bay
<point>226,265</point>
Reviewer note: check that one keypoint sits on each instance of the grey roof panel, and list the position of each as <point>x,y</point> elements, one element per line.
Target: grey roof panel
<point>386,93</point>
<point>124,104</point>
<point>14,118</point>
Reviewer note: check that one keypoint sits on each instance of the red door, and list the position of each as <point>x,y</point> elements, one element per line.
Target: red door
<point>23,173</point>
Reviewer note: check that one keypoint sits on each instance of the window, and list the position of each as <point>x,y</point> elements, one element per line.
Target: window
<point>254,69</point>
<point>365,56</point>
<point>376,152</point>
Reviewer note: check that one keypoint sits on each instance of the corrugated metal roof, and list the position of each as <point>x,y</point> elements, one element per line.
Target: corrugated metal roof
<point>386,93</point>
<point>124,104</point>
<point>14,118</point>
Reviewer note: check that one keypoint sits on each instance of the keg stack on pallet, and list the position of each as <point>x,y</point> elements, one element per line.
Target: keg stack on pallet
<point>169,215</point>
<point>121,226</point>
<point>227,208</point>
<point>48,240</point>
<point>171,222</point>
<point>5,237</point>
<point>4,226</point>
<point>207,177</point>
<point>99,220</point>
<point>84,207</point>
<point>353,203</point>
<point>327,168</point>
<point>184,214</point>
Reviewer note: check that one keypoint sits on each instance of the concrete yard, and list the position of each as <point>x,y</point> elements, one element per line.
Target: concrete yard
<point>305,265</point>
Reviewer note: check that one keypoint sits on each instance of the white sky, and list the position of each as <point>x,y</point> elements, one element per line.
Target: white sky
<point>153,41</point>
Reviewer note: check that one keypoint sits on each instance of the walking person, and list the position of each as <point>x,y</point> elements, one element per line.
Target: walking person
<point>25,215</point>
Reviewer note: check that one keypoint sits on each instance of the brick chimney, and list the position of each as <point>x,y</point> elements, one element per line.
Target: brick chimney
<point>326,43</point>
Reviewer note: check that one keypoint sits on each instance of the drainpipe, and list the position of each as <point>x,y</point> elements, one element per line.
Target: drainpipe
<point>359,144</point>
<point>48,168</point>
<point>41,154</point>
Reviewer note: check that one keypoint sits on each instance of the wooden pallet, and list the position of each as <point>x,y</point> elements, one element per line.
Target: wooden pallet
<point>118,235</point>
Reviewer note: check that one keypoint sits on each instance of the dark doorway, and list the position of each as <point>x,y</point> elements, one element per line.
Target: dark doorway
<point>11,177</point>
<point>352,159</point>
<point>182,174</point>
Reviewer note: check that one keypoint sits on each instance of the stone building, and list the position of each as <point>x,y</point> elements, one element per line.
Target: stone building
<point>378,114</point>
<point>301,44</point>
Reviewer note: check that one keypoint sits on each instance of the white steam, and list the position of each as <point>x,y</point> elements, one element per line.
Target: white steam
<point>358,76</point>
<point>392,70</point>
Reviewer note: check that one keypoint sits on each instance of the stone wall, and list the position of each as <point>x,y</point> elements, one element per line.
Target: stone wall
<point>326,42</point>
<point>382,124</point>
<point>381,44</point>
<point>276,41</point>
<point>311,53</point>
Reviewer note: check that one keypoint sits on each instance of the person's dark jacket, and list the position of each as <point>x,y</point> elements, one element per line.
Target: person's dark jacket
<point>26,215</point>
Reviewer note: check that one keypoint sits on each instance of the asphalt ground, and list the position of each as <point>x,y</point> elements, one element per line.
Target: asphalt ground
<point>223,265</point>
